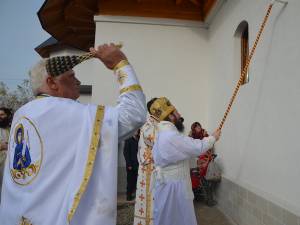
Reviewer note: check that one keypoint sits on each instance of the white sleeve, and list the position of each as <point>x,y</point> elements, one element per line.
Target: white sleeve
<point>131,102</point>
<point>172,147</point>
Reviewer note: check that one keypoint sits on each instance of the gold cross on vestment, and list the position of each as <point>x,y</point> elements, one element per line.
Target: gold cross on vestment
<point>141,197</point>
<point>141,211</point>
<point>142,183</point>
<point>147,154</point>
<point>150,138</point>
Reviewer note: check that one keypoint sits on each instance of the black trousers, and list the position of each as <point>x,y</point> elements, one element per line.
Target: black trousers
<point>131,180</point>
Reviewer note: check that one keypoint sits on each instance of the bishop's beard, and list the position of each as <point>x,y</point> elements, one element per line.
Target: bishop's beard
<point>179,125</point>
<point>4,123</point>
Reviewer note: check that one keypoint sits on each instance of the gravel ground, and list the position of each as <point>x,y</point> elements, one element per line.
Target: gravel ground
<point>125,214</point>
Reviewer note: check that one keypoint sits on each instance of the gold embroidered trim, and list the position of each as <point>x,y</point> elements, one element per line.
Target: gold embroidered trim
<point>149,169</point>
<point>135,87</point>
<point>42,96</point>
<point>95,142</point>
<point>121,64</point>
<point>33,169</point>
<point>142,217</point>
<point>122,76</point>
<point>25,221</point>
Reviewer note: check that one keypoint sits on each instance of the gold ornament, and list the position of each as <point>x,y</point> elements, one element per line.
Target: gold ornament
<point>161,108</point>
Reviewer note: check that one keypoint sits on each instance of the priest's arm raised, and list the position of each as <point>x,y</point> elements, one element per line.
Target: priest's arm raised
<point>176,147</point>
<point>131,102</point>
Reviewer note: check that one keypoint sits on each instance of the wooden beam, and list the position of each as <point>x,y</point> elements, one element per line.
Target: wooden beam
<point>207,7</point>
<point>176,9</point>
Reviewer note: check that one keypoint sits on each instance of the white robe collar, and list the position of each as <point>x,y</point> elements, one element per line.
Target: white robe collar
<point>166,125</point>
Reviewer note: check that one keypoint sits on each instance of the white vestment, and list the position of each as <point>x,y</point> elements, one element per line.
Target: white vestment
<point>143,214</point>
<point>173,196</point>
<point>62,159</point>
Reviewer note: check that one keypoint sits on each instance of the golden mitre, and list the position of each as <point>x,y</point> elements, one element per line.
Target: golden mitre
<point>161,108</point>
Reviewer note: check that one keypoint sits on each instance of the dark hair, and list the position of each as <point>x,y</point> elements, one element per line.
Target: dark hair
<point>149,104</point>
<point>8,112</point>
<point>193,126</point>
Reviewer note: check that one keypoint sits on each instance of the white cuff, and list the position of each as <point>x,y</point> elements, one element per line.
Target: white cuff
<point>127,79</point>
<point>211,140</point>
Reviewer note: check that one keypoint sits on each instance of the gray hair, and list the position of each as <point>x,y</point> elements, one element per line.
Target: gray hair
<point>38,75</point>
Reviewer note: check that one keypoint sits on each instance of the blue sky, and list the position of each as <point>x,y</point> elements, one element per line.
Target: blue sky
<point>20,33</point>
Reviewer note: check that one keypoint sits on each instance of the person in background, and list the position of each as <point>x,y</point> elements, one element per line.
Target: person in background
<point>132,164</point>
<point>197,132</point>
<point>5,122</point>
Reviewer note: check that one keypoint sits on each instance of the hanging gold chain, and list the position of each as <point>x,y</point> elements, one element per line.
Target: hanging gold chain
<point>246,66</point>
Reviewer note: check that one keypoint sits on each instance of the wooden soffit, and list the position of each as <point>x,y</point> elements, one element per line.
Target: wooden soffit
<point>71,22</point>
<point>174,9</point>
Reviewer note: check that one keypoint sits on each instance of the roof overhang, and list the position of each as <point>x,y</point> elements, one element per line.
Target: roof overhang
<point>71,22</point>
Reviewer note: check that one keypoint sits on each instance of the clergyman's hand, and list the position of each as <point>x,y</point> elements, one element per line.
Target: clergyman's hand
<point>109,54</point>
<point>217,134</point>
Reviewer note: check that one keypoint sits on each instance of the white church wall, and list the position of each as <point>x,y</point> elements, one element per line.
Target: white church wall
<point>170,58</point>
<point>259,150</point>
